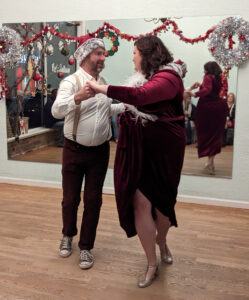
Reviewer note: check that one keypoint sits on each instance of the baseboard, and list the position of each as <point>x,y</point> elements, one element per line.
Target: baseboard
<point>213,201</point>
<point>110,190</point>
<point>29,182</point>
<point>43,183</point>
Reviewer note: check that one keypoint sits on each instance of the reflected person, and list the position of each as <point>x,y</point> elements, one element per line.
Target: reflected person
<point>50,121</point>
<point>229,129</point>
<point>211,112</point>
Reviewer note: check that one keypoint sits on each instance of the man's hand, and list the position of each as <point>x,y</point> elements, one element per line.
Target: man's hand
<point>83,94</point>
<point>89,89</point>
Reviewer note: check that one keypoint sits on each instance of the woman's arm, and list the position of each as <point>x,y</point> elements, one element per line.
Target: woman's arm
<point>161,87</point>
<point>206,87</point>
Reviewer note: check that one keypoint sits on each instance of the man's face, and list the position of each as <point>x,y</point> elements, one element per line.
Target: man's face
<point>95,60</point>
<point>184,72</point>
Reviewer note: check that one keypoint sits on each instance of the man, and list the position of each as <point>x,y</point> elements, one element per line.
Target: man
<point>188,107</point>
<point>86,147</point>
<point>50,121</point>
<point>183,66</point>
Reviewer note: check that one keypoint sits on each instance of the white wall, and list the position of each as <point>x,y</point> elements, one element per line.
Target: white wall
<point>235,189</point>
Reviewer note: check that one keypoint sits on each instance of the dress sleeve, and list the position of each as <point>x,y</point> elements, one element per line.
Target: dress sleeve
<point>162,86</point>
<point>206,87</point>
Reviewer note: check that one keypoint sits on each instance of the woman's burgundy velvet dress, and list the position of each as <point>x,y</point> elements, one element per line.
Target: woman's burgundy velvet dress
<point>210,118</point>
<point>150,157</point>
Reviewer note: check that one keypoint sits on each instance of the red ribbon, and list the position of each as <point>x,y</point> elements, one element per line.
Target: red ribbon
<point>2,83</point>
<point>128,37</point>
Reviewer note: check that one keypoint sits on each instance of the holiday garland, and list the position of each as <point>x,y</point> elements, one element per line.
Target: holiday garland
<point>218,35</point>
<point>106,26</point>
<point>156,31</point>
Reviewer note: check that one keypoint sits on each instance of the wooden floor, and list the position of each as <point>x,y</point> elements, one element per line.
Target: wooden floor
<point>210,249</point>
<point>192,165</point>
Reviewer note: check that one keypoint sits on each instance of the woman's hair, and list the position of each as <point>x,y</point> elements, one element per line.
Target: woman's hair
<point>232,95</point>
<point>154,54</point>
<point>213,68</point>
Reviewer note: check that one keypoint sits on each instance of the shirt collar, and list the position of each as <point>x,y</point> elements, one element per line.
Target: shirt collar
<point>87,75</point>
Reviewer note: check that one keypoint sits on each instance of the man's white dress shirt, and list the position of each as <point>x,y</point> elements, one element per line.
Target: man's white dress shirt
<point>94,127</point>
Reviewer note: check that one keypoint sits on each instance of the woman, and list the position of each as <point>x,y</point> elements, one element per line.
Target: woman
<point>231,110</point>
<point>211,114</point>
<point>150,149</point>
<point>229,129</point>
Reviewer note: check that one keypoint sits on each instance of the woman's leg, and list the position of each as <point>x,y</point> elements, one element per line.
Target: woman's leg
<point>162,226</point>
<point>211,160</point>
<point>210,165</point>
<point>145,227</point>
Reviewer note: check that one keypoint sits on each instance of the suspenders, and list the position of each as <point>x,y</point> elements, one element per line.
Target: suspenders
<point>77,110</point>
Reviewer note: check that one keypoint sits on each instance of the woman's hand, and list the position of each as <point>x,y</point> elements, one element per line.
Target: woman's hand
<point>195,86</point>
<point>97,88</point>
<point>93,85</point>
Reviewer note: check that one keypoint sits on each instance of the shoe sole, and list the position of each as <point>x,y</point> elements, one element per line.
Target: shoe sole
<point>85,267</point>
<point>167,262</point>
<point>65,255</point>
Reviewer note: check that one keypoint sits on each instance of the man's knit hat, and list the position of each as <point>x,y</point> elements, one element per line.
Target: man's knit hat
<point>87,44</point>
<point>181,63</point>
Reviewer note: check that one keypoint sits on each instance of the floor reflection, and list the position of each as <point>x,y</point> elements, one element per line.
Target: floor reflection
<point>192,165</point>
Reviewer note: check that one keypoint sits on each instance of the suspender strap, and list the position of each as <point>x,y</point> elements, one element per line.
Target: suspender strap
<point>77,110</point>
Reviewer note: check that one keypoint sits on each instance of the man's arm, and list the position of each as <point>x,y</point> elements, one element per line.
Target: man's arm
<point>64,102</point>
<point>117,109</point>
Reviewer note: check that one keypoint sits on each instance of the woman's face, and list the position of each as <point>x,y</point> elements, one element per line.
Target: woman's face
<point>137,59</point>
<point>230,98</point>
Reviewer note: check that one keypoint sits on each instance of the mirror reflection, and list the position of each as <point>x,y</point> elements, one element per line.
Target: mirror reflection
<point>31,86</point>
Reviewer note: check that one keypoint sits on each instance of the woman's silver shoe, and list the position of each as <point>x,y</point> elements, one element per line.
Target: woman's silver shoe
<point>210,169</point>
<point>167,257</point>
<point>144,281</point>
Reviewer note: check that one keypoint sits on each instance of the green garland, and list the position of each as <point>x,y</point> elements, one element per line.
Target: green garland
<point>114,40</point>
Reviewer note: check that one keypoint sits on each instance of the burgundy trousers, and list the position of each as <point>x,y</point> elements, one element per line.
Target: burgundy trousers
<point>88,163</point>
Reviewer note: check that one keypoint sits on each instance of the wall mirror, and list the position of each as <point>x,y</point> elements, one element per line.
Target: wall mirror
<point>46,62</point>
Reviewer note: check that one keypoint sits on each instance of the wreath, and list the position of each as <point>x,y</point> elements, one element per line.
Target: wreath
<point>224,33</point>
<point>113,38</point>
<point>10,47</point>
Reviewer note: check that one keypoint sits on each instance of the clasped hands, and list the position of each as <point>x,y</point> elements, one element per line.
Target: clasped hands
<point>89,90</point>
<point>188,93</point>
